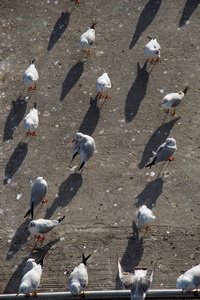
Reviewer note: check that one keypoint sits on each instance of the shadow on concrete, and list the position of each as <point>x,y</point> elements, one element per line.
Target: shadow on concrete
<point>132,255</point>
<point>91,118</point>
<point>59,29</point>
<point>71,79</point>
<point>188,10</point>
<point>15,161</point>
<point>150,194</point>
<point>67,191</point>
<point>14,118</point>
<point>158,137</point>
<point>146,17</point>
<point>18,240</point>
<point>136,93</point>
<point>14,282</point>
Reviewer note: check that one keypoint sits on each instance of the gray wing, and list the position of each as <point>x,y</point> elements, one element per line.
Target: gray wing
<point>38,193</point>
<point>164,154</point>
<point>47,226</point>
<point>175,102</point>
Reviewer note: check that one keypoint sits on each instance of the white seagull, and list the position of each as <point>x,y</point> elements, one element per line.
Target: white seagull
<point>31,76</point>
<point>190,280</point>
<point>127,279</point>
<point>164,152</point>
<point>31,281</point>
<point>103,85</point>
<point>141,283</point>
<point>152,49</point>
<point>145,217</point>
<point>31,121</point>
<point>170,101</point>
<point>85,146</point>
<point>38,193</point>
<point>87,39</point>
<point>78,279</point>
<point>41,226</point>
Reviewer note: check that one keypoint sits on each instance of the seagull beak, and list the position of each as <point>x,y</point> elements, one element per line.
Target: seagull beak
<point>26,227</point>
<point>73,140</point>
<point>35,259</point>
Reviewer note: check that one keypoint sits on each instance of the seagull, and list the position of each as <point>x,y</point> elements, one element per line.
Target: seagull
<point>170,101</point>
<point>87,39</point>
<point>42,226</point>
<point>78,279</point>
<point>85,146</point>
<point>152,49</point>
<point>141,283</point>
<point>38,193</point>
<point>164,152</point>
<point>31,121</point>
<point>103,85</point>
<point>190,280</point>
<point>145,217</point>
<point>127,279</point>
<point>31,280</point>
<point>31,76</point>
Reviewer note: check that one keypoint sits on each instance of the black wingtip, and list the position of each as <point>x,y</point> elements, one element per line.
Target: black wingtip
<point>35,105</point>
<point>81,166</point>
<point>33,61</point>
<point>60,219</point>
<point>93,25</point>
<point>84,259</point>
<point>149,37</point>
<point>40,262</point>
<point>185,90</point>
<point>28,212</point>
<point>31,209</point>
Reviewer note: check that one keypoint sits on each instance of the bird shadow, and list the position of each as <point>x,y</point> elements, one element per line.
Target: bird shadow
<point>156,140</point>
<point>15,279</point>
<point>188,10</point>
<point>67,191</point>
<point>18,240</point>
<point>14,118</point>
<point>132,255</point>
<point>150,194</point>
<point>91,118</point>
<point>59,28</point>
<point>15,161</point>
<point>71,79</point>
<point>136,93</point>
<point>146,17</point>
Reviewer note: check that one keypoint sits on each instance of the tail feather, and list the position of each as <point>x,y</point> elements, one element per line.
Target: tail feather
<point>84,259</point>
<point>93,25</point>
<point>60,219</point>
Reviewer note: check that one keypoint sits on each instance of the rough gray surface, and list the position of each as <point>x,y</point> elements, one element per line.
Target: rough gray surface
<point>100,204</point>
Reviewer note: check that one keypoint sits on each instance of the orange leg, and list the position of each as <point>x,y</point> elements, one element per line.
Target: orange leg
<point>152,61</point>
<point>158,59</point>
<point>101,96</point>
<point>148,228</point>
<point>171,158</point>
<point>44,200</point>
<point>34,294</point>
<point>167,110</point>
<point>88,51</point>
<point>76,1</point>
<point>37,237</point>
<point>107,97</point>
<point>28,295</point>
<point>42,238</point>
<point>173,112</point>
<point>32,87</point>
<point>28,133</point>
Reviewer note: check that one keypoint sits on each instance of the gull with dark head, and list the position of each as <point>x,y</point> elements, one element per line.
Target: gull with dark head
<point>190,280</point>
